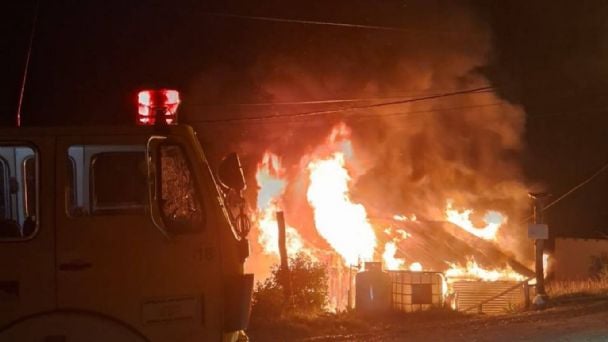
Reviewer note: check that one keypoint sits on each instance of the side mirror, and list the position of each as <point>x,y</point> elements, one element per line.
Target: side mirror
<point>230,173</point>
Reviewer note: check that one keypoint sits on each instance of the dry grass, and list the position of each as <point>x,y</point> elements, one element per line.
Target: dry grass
<point>575,288</point>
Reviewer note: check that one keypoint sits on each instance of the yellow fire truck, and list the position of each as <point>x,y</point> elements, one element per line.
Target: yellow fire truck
<point>120,234</point>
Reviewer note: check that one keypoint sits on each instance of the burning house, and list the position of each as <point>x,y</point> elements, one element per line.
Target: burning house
<point>370,172</point>
<point>425,257</point>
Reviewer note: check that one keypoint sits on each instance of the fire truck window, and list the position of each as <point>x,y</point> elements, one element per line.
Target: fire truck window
<point>180,203</point>
<point>19,192</point>
<point>118,183</point>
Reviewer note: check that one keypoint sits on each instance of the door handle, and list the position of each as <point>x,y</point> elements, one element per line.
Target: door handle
<point>76,265</point>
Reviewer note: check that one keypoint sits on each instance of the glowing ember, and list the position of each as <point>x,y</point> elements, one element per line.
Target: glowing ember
<point>343,224</point>
<point>416,267</point>
<point>473,271</point>
<point>390,262</point>
<point>493,219</point>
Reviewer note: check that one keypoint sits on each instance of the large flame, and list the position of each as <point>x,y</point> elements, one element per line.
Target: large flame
<point>493,220</point>
<point>270,179</point>
<point>342,223</point>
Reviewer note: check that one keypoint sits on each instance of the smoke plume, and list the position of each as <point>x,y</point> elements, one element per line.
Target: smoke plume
<point>411,158</point>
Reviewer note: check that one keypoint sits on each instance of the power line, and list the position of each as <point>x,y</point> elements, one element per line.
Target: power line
<point>327,23</point>
<point>598,110</point>
<point>578,186</point>
<point>346,109</point>
<point>315,102</point>
<point>569,192</point>
<point>371,116</point>
<point>434,110</point>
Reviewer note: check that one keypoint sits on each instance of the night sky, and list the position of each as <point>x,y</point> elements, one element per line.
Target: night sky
<point>550,57</point>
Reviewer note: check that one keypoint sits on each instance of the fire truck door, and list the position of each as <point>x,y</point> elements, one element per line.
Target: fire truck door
<point>111,257</point>
<point>101,224</point>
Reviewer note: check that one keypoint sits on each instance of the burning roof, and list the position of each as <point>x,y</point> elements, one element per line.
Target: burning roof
<point>440,245</point>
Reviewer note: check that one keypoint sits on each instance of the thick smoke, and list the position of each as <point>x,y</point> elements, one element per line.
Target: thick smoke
<point>411,157</point>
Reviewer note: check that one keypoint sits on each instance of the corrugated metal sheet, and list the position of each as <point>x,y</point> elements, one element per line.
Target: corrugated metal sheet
<point>488,297</point>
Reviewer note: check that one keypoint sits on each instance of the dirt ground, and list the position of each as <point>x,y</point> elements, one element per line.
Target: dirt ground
<point>568,319</point>
<point>582,319</point>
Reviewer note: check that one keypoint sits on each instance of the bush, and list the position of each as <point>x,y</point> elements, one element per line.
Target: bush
<point>268,298</point>
<point>309,291</point>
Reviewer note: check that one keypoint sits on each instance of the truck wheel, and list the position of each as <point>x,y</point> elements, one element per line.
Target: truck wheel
<point>69,326</point>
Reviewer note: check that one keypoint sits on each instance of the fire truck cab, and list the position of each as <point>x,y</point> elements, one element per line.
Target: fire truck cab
<point>118,234</point>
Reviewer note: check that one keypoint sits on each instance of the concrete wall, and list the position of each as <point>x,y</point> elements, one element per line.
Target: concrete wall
<point>572,257</point>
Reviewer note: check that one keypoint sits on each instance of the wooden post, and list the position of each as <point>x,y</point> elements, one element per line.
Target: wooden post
<point>284,270</point>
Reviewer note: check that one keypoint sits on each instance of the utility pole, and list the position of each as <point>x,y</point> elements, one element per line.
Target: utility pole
<point>541,298</point>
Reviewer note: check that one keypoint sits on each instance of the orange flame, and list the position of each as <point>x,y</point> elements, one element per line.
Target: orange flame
<point>472,270</point>
<point>390,262</point>
<point>342,223</point>
<point>269,177</point>
<point>493,220</point>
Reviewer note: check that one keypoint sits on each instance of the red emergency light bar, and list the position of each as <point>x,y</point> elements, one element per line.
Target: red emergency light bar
<point>157,107</point>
